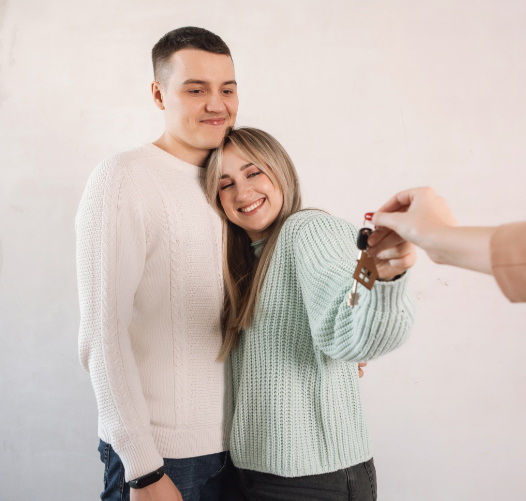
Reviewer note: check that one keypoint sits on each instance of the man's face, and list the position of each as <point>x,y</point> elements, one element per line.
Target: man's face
<point>200,99</point>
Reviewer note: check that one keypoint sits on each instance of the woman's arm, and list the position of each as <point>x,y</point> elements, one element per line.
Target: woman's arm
<point>326,255</point>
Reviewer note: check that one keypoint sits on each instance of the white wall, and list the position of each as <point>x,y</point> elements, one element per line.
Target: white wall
<point>369,98</point>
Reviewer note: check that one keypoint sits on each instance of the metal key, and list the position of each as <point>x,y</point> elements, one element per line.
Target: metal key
<point>365,272</point>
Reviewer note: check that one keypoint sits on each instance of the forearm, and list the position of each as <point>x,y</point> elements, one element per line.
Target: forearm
<point>384,320</point>
<point>380,323</point>
<point>465,247</point>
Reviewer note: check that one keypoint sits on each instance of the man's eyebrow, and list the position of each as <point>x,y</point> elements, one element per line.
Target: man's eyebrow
<point>243,167</point>
<point>204,82</point>
<point>194,81</point>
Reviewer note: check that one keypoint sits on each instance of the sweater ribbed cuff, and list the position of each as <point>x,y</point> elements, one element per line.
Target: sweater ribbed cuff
<point>140,458</point>
<point>387,296</point>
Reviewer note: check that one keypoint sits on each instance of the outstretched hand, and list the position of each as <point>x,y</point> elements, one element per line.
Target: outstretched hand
<point>414,215</point>
<point>420,216</point>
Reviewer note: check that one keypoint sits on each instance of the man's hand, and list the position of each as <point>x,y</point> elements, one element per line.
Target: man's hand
<point>360,365</point>
<point>163,490</point>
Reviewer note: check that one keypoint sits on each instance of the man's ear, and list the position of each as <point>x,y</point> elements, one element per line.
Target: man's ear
<point>157,94</point>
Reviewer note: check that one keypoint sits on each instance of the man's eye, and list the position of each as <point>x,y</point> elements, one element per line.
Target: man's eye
<point>228,91</point>
<point>195,91</point>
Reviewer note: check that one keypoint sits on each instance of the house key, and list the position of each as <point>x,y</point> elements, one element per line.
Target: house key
<point>365,272</point>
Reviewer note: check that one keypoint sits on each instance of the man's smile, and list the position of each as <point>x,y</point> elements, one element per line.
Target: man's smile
<point>214,121</point>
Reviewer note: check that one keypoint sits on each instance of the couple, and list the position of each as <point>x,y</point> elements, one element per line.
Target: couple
<point>209,327</point>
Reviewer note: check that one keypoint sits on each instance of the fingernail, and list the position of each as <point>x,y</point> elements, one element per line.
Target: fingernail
<point>369,216</point>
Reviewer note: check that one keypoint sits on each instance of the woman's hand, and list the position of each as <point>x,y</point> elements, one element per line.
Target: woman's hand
<point>360,365</point>
<point>393,254</point>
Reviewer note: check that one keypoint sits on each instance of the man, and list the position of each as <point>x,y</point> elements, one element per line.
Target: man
<point>151,291</point>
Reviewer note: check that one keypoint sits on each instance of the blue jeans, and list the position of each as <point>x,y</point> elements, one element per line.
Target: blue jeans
<point>198,479</point>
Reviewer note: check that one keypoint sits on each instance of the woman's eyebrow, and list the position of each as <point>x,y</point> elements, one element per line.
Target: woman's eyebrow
<point>243,167</point>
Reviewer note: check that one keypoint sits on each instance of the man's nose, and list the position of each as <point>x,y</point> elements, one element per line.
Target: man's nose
<point>215,103</point>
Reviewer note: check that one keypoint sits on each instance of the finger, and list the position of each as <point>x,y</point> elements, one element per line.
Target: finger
<point>389,220</point>
<point>394,251</point>
<point>362,364</point>
<point>396,202</point>
<point>404,199</point>
<point>390,241</point>
<point>378,235</point>
<point>360,373</point>
<point>399,264</point>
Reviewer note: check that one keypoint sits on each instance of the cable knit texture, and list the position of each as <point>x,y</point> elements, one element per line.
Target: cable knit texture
<point>151,293</point>
<point>298,409</point>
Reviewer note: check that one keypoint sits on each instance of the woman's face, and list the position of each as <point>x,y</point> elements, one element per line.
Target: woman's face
<point>247,194</point>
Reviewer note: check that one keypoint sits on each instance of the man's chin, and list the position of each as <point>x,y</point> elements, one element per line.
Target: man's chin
<point>214,141</point>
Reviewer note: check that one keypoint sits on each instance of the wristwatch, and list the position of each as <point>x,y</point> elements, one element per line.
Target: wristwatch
<point>148,479</point>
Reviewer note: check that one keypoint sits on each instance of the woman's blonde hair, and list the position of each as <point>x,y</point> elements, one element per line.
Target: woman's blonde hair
<point>243,272</point>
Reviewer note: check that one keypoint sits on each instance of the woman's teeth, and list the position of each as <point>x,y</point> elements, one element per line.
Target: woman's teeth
<point>255,205</point>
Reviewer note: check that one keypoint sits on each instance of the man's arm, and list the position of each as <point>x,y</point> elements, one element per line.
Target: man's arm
<point>111,250</point>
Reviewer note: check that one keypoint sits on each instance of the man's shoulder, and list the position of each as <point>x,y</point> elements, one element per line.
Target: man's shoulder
<point>115,172</point>
<point>114,167</point>
<point>127,158</point>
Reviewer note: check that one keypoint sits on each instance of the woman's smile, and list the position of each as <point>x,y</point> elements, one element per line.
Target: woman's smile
<point>251,209</point>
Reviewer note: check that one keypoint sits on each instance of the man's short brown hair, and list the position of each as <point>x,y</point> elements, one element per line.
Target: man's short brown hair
<point>188,37</point>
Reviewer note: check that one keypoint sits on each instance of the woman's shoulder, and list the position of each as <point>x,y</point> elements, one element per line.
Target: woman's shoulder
<point>309,219</point>
<point>307,230</point>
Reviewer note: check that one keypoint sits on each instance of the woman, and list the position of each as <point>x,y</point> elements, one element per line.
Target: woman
<point>298,430</point>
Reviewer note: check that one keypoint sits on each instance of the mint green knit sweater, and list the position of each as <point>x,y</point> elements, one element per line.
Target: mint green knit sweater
<point>298,409</point>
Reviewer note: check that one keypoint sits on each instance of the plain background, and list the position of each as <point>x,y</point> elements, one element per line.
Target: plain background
<point>368,98</point>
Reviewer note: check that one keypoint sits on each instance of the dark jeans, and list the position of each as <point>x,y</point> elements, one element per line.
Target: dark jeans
<point>356,483</point>
<point>198,479</point>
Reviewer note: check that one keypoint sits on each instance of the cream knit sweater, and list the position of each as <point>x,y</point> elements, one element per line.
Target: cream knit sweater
<point>151,293</point>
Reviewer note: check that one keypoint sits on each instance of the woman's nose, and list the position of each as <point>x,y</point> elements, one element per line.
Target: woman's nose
<point>244,192</point>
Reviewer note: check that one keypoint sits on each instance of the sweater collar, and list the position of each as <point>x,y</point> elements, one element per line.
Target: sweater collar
<point>258,246</point>
<point>174,161</point>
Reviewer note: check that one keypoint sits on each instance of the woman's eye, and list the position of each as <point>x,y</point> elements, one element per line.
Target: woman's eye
<point>254,174</point>
<point>225,186</point>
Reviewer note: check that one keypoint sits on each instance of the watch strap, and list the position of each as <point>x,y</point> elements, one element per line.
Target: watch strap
<point>147,479</point>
